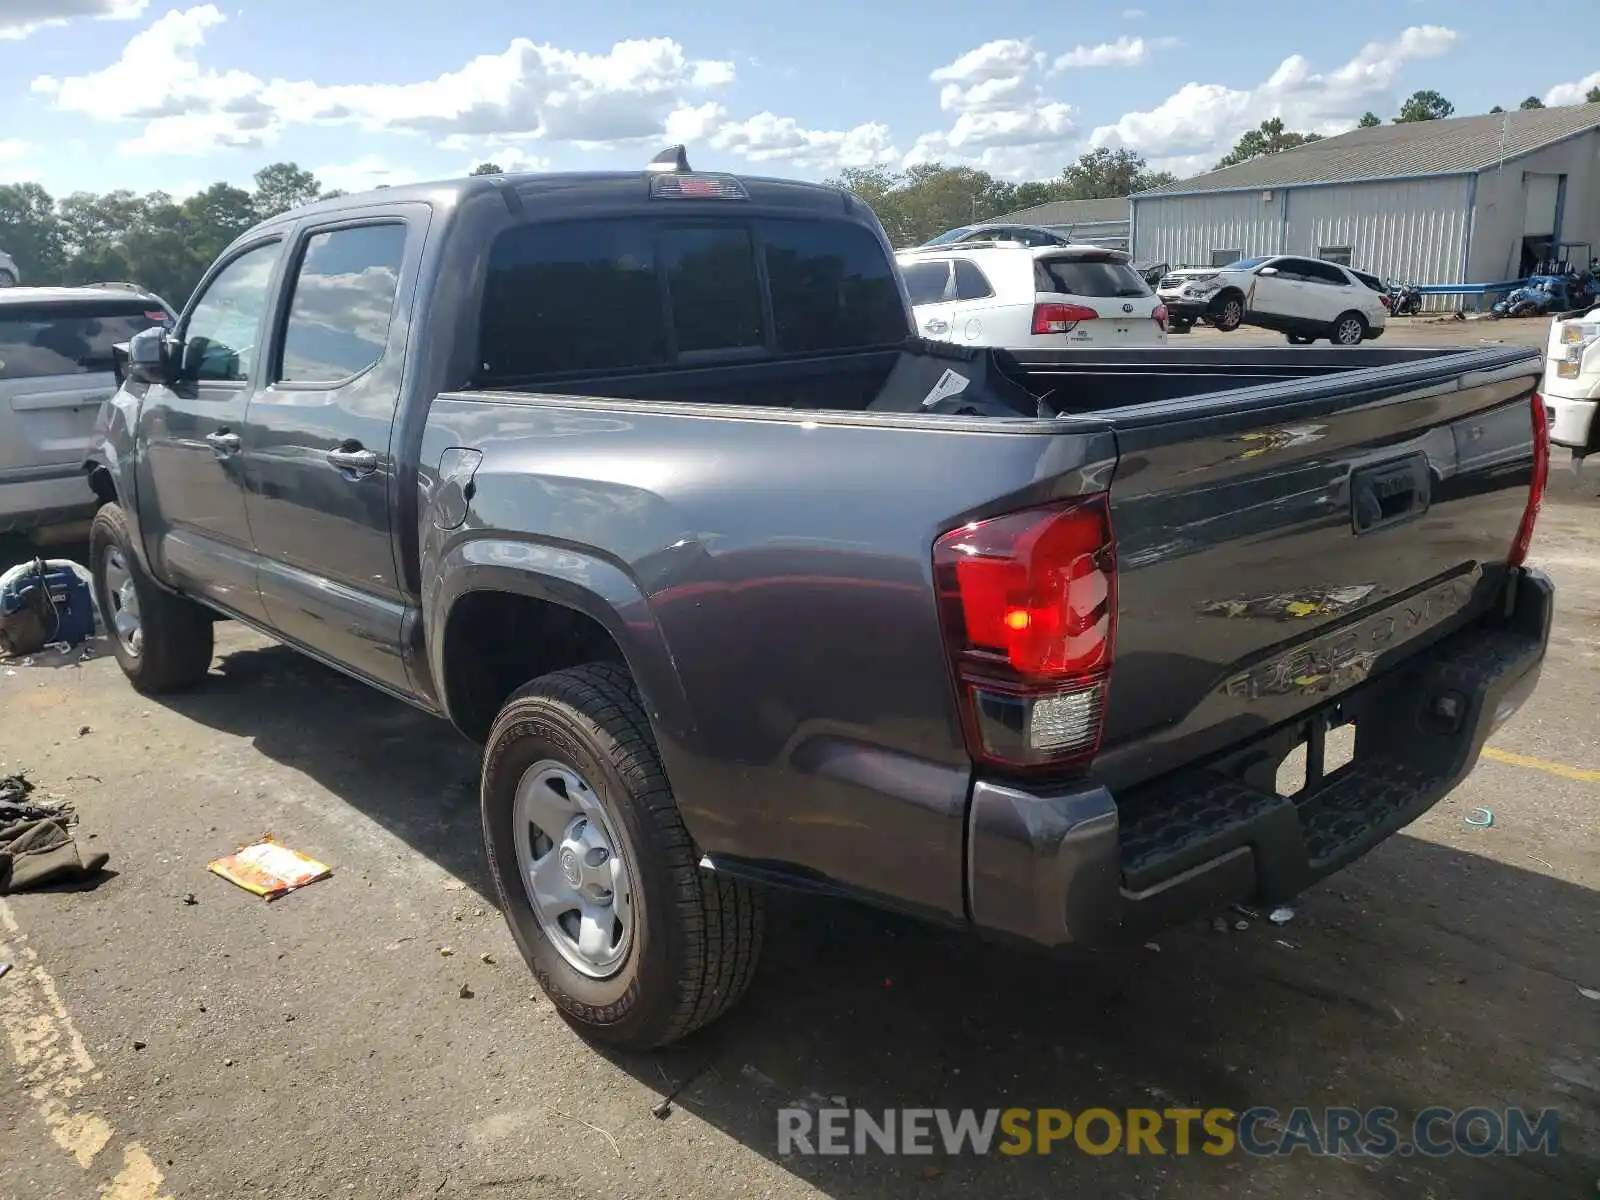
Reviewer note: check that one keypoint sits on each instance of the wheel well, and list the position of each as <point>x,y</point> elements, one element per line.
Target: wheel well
<point>104,487</point>
<point>1224,294</point>
<point>495,642</point>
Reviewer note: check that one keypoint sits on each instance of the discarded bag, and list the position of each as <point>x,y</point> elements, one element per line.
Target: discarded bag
<point>37,848</point>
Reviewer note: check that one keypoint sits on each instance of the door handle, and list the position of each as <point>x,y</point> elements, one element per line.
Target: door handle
<point>934,325</point>
<point>361,462</point>
<point>223,442</point>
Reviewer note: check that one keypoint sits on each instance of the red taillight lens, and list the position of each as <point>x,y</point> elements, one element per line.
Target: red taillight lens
<point>1541,477</point>
<point>1060,318</point>
<point>1028,604</point>
<point>1160,315</point>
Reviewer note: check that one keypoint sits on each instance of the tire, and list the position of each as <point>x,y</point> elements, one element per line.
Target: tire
<point>686,947</point>
<point>1180,326</point>
<point>7,279</point>
<point>1348,329</point>
<point>1299,339</point>
<point>169,644</point>
<point>1228,313</point>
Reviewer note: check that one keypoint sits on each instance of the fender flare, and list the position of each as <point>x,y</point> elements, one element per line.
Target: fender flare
<point>574,579</point>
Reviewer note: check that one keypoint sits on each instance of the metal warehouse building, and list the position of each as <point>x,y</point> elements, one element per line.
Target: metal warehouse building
<point>1467,200</point>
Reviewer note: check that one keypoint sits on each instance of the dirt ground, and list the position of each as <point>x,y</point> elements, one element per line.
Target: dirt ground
<point>322,1046</point>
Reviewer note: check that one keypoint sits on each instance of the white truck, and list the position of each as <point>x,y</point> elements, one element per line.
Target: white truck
<point>1572,381</point>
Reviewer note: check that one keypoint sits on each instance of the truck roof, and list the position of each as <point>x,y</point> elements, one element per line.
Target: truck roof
<point>93,291</point>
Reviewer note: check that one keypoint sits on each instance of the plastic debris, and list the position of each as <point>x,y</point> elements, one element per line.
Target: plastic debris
<point>1481,818</point>
<point>1241,926</point>
<point>1284,944</point>
<point>487,958</point>
<point>1156,946</point>
<point>4,967</point>
<point>1586,993</point>
<point>269,868</point>
<point>139,1044</point>
<point>1281,915</point>
<point>1220,924</point>
<point>466,992</point>
<point>189,898</point>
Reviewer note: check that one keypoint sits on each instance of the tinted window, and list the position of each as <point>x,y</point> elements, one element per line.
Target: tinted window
<point>928,282</point>
<point>572,296</point>
<point>1316,272</point>
<point>220,335</point>
<point>343,299</point>
<point>833,287</point>
<point>970,281</point>
<point>1086,277</point>
<point>71,338</point>
<point>716,299</point>
<point>1370,281</point>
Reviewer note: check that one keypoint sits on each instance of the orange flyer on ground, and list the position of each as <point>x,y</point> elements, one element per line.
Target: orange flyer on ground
<point>269,869</point>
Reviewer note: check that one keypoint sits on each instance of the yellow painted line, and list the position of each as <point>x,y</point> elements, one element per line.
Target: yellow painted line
<point>54,1067</point>
<point>1579,774</point>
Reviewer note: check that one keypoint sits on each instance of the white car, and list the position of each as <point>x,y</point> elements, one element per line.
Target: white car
<point>1572,381</point>
<point>1031,297</point>
<point>1303,298</point>
<point>9,275</point>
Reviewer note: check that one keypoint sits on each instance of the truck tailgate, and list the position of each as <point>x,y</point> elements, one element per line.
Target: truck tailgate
<point>1279,544</point>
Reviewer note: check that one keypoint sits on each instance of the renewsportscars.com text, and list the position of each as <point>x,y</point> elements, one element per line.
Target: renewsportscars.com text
<point>1260,1132</point>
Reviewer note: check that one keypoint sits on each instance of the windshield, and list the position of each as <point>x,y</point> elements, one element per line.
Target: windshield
<point>1246,264</point>
<point>951,236</point>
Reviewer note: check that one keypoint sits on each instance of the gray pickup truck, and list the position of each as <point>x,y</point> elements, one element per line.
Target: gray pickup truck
<point>638,479</point>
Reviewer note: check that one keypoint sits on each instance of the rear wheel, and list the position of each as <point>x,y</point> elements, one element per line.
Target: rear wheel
<point>163,642</point>
<point>598,878</point>
<point>1349,330</point>
<point>1228,314</point>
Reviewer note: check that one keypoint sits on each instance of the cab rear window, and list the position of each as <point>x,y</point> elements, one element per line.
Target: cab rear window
<point>69,338</point>
<point>625,294</point>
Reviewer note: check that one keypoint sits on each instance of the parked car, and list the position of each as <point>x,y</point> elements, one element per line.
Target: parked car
<point>1025,297</point>
<point>997,231</point>
<point>639,479</point>
<point>1303,298</point>
<point>1572,380</point>
<point>55,371</point>
<point>9,275</point>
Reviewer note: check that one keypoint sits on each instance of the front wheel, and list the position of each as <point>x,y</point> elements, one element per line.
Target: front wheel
<point>1349,330</point>
<point>163,642</point>
<point>1229,314</point>
<point>597,875</point>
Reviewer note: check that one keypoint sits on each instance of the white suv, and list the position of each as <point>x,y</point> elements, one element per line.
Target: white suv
<point>1031,297</point>
<point>1304,298</point>
<point>9,275</point>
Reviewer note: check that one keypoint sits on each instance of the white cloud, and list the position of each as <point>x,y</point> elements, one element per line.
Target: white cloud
<point>1133,14</point>
<point>19,18</point>
<point>1572,93</point>
<point>526,91</point>
<point>1004,121</point>
<point>767,137</point>
<point>508,158</point>
<point>1199,122</point>
<point>368,171</point>
<point>14,164</point>
<point>1124,52</point>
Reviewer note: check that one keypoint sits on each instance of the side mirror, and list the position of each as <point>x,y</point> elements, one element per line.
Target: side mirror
<point>148,359</point>
<point>1267,271</point>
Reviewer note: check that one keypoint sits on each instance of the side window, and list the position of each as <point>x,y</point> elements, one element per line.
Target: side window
<point>220,334</point>
<point>928,282</point>
<point>1316,272</point>
<point>716,297</point>
<point>970,281</point>
<point>833,287</point>
<point>571,296</point>
<point>343,301</point>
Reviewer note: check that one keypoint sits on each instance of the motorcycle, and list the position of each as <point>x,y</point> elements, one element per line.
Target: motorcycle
<point>1403,299</point>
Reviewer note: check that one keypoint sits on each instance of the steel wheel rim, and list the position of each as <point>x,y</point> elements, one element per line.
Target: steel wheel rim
<point>123,600</point>
<point>1349,332</point>
<point>1232,312</point>
<point>573,875</point>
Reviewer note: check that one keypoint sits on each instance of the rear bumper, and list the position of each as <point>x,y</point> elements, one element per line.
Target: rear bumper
<point>37,497</point>
<point>1085,866</point>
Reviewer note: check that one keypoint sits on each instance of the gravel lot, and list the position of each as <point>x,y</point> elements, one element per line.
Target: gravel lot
<point>322,1045</point>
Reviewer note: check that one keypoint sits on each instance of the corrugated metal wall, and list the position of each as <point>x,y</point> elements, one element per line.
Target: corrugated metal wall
<point>1411,229</point>
<point>1184,230</point>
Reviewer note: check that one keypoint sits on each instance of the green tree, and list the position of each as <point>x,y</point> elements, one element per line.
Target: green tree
<point>30,231</point>
<point>487,168</point>
<point>1426,105</point>
<point>283,186</point>
<point>1532,102</point>
<point>1496,109</point>
<point>1270,137</point>
<point>1368,120</point>
<point>1592,96</point>
<point>1102,174</point>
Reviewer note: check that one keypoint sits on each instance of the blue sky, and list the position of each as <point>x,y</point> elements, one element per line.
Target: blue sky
<point>145,94</point>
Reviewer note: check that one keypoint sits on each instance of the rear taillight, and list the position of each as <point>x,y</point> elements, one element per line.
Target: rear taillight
<point>1541,476</point>
<point>1060,318</point>
<point>1160,316</point>
<point>1028,603</point>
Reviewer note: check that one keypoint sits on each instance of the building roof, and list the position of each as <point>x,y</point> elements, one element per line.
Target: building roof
<point>1069,212</point>
<point>1456,146</point>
